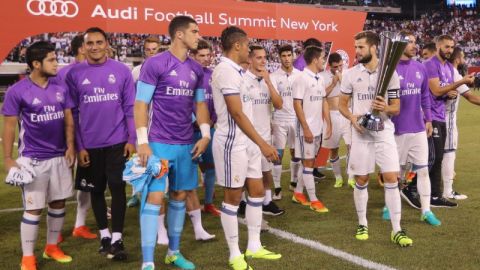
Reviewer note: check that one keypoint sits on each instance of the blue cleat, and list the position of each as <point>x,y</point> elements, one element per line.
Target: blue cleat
<point>430,218</point>
<point>179,261</point>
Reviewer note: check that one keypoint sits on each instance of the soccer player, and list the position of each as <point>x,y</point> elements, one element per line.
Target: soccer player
<point>442,84</point>
<point>428,50</point>
<point>300,62</point>
<point>311,108</point>
<point>451,106</point>
<point>237,149</point>
<point>171,82</point>
<point>263,95</point>
<point>413,124</point>
<point>46,141</point>
<point>340,126</point>
<point>203,55</point>
<point>370,147</point>
<point>103,87</point>
<point>83,198</point>
<point>283,123</point>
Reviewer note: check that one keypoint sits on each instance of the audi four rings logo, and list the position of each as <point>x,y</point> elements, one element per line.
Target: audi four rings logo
<point>57,8</point>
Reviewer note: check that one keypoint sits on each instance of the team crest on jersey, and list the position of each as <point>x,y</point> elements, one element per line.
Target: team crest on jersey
<point>29,200</point>
<point>193,76</point>
<point>418,75</point>
<point>111,79</point>
<point>59,97</point>
<point>236,179</point>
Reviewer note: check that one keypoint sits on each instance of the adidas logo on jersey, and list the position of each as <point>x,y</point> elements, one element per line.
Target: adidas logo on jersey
<point>173,73</point>
<point>400,77</point>
<point>86,81</point>
<point>36,101</point>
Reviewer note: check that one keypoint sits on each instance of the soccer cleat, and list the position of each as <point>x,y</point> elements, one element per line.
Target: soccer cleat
<point>456,196</point>
<point>83,232</point>
<point>55,253</point>
<point>441,202</point>
<point>60,238</point>
<point>430,218</point>
<point>133,201</point>
<point>263,253</point>
<point>400,238</point>
<point>272,209</point>
<point>292,186</point>
<point>351,183</point>
<point>148,267</point>
<point>277,195</point>
<point>105,245</point>
<point>411,197</point>
<point>318,206</point>
<point>241,208</point>
<point>179,261</point>
<point>385,213</point>
<point>362,233</point>
<point>29,263</point>
<point>317,175</point>
<point>338,183</point>
<point>300,198</point>
<point>117,251</point>
<point>239,263</point>
<point>211,209</point>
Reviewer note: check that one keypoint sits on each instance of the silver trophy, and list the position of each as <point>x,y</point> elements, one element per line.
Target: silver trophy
<point>392,46</point>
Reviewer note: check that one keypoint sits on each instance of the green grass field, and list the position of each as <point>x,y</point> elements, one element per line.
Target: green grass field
<point>454,245</point>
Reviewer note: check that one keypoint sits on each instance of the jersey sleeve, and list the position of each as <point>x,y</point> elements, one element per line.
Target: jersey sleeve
<point>11,105</point>
<point>150,72</point>
<point>298,88</point>
<point>393,88</point>
<point>228,85</point>
<point>346,86</point>
<point>432,71</point>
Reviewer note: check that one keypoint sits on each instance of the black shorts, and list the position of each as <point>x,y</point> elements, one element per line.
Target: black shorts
<point>106,166</point>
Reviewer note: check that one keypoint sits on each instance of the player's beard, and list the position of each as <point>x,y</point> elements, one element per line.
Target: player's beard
<point>45,74</point>
<point>366,59</point>
<point>444,56</point>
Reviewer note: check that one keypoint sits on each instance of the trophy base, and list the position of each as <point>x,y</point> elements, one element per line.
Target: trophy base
<point>371,122</point>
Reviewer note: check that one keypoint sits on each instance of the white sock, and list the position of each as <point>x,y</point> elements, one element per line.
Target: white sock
<point>55,219</point>
<point>200,233</point>
<point>309,184</point>
<point>116,236</point>
<point>300,183</point>
<point>254,215</point>
<point>228,217</point>
<point>148,264</point>
<point>295,169</point>
<point>277,176</point>
<point>162,236</point>
<point>337,171</point>
<point>424,188</point>
<point>268,197</point>
<point>29,233</point>
<point>83,204</point>
<point>105,233</point>
<point>448,172</point>
<point>360,197</point>
<point>394,205</point>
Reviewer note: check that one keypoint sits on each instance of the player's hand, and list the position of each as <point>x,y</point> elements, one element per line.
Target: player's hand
<point>356,126</point>
<point>70,156</point>
<point>338,77</point>
<point>270,153</point>
<point>429,129</point>
<point>128,150</point>
<point>379,104</point>
<point>200,147</point>
<point>308,135</point>
<point>9,163</point>
<point>452,94</point>
<point>469,78</point>
<point>265,75</point>
<point>83,158</point>
<point>144,152</point>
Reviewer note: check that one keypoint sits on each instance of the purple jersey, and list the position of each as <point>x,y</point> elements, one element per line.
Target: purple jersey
<point>103,96</point>
<point>300,63</point>
<point>62,74</point>
<point>414,98</point>
<point>41,116</point>
<point>176,83</point>
<point>444,72</point>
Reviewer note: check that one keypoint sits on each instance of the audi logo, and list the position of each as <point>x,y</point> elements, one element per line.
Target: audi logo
<point>57,8</point>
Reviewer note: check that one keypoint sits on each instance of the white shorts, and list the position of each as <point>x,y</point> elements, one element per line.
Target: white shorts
<point>232,168</point>
<point>412,147</point>
<point>53,183</point>
<point>341,128</point>
<point>451,140</point>
<point>304,150</point>
<point>364,156</point>
<point>283,133</point>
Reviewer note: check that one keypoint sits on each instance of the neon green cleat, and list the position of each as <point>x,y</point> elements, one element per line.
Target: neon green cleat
<point>351,183</point>
<point>263,253</point>
<point>362,233</point>
<point>338,183</point>
<point>239,263</point>
<point>401,239</point>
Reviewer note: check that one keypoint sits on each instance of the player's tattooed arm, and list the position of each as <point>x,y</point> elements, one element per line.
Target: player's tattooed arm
<point>9,125</point>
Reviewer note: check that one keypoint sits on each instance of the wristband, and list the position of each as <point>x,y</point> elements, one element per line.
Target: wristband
<point>205,130</point>
<point>142,136</point>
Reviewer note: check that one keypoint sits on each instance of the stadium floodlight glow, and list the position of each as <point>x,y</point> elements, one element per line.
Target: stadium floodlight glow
<point>57,8</point>
<point>392,46</point>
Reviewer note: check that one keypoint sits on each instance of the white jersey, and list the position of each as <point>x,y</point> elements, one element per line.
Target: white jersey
<point>310,88</point>
<point>360,83</point>
<point>136,72</point>
<point>328,78</point>
<point>228,79</point>
<point>282,81</point>
<point>261,104</point>
<point>451,105</point>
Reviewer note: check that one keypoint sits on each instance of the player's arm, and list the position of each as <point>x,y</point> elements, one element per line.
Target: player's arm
<point>203,121</point>
<point>140,114</point>
<point>8,137</point>
<point>277,100</point>
<point>426,106</point>
<point>336,79</point>
<point>474,99</point>
<point>69,136</point>
<point>298,107</point>
<point>438,91</point>
<point>326,119</point>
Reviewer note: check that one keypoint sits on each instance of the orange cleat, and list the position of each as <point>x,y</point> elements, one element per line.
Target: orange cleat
<point>29,263</point>
<point>83,232</point>
<point>300,198</point>
<point>318,206</point>
<point>211,209</point>
<point>53,252</point>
